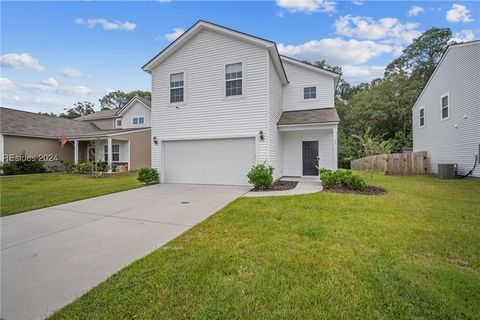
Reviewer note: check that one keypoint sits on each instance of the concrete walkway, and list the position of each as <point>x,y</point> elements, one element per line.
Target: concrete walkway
<point>53,255</point>
<point>304,186</point>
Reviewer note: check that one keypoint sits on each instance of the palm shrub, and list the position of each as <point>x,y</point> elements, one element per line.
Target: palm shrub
<point>148,175</point>
<point>261,177</point>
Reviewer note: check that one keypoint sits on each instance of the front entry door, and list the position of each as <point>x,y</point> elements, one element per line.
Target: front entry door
<point>91,154</point>
<point>310,158</point>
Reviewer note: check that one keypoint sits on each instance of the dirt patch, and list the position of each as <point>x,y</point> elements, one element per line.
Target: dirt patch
<point>368,190</point>
<point>279,186</point>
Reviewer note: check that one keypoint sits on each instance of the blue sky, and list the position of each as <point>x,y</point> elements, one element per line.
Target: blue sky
<point>56,53</point>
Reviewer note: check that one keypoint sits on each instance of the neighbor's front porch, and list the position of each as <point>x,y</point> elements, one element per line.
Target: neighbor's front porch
<point>116,152</point>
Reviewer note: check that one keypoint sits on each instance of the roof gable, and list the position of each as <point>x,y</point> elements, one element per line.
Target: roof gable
<point>313,68</point>
<point>146,103</point>
<point>444,57</point>
<point>204,25</point>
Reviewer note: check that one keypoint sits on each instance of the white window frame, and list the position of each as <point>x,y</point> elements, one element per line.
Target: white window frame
<point>316,93</point>
<point>244,77</point>
<point>447,94</point>
<point>302,87</point>
<point>105,153</point>
<point>184,88</point>
<point>116,122</point>
<point>420,117</point>
<point>138,120</point>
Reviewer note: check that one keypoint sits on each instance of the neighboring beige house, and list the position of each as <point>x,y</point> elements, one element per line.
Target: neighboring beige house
<point>90,138</point>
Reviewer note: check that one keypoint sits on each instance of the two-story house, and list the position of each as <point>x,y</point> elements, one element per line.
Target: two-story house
<point>446,115</point>
<point>223,100</point>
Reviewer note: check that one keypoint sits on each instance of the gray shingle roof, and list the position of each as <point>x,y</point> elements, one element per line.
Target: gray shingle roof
<point>309,116</point>
<point>103,114</point>
<point>34,124</point>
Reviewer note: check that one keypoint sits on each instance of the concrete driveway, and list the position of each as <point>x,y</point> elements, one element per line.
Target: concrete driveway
<point>53,255</point>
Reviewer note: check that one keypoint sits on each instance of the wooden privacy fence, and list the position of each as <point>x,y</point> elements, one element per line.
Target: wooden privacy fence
<point>394,164</point>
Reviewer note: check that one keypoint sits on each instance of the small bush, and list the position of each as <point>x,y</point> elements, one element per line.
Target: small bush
<point>148,175</point>
<point>341,178</point>
<point>26,165</point>
<point>261,177</point>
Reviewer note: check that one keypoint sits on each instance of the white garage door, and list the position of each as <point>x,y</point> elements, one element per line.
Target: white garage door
<point>212,161</point>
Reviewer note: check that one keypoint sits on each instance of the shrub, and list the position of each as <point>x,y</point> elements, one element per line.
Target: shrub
<point>261,177</point>
<point>102,166</point>
<point>84,167</point>
<point>341,178</point>
<point>26,165</point>
<point>148,175</point>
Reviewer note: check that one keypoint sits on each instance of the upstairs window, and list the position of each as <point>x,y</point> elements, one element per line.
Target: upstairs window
<point>138,120</point>
<point>310,93</point>
<point>233,79</point>
<point>422,117</point>
<point>115,152</point>
<point>119,123</point>
<point>445,104</point>
<point>176,87</point>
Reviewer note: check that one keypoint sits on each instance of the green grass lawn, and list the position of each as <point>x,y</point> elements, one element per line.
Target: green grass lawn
<point>23,193</point>
<point>413,253</point>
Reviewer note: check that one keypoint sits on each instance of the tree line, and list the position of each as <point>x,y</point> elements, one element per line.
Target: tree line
<point>376,117</point>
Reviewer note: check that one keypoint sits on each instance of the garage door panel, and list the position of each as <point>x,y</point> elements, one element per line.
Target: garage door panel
<point>213,161</point>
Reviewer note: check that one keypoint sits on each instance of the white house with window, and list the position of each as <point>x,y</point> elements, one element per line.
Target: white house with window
<point>223,100</point>
<point>446,115</point>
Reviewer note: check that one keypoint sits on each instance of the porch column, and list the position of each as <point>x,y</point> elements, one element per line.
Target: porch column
<point>109,152</point>
<point>335,155</point>
<point>75,151</point>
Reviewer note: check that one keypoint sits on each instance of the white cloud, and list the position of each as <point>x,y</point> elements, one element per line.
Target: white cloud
<point>463,36</point>
<point>71,72</point>
<point>307,6</point>
<point>357,74</point>
<point>78,90</point>
<point>21,61</point>
<point>107,25</point>
<point>6,85</point>
<point>415,11</point>
<point>50,85</point>
<point>389,30</point>
<point>177,32</point>
<point>51,82</point>
<point>458,13</point>
<point>336,50</point>
<point>358,2</point>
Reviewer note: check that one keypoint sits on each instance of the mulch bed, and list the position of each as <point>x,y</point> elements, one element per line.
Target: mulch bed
<point>280,185</point>
<point>369,190</point>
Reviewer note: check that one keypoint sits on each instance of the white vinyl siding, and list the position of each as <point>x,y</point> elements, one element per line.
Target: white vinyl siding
<point>301,78</point>
<point>457,139</point>
<point>292,146</point>
<point>206,112</point>
<point>136,111</point>
<point>275,106</point>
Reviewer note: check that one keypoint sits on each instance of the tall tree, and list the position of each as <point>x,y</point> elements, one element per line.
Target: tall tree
<point>117,99</point>
<point>80,109</point>
<point>113,100</point>
<point>422,56</point>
